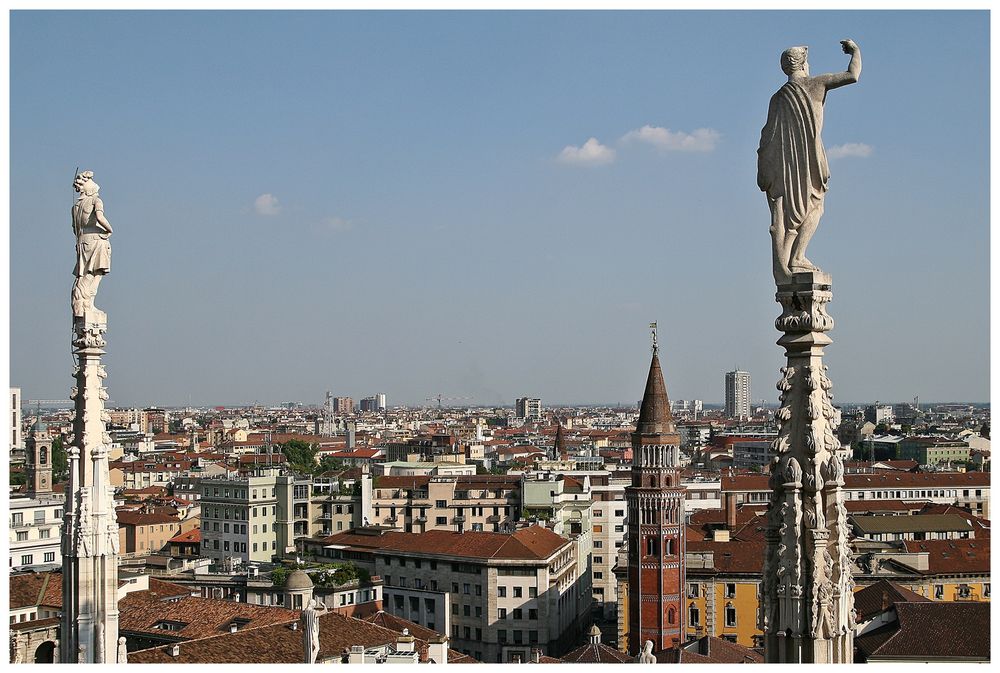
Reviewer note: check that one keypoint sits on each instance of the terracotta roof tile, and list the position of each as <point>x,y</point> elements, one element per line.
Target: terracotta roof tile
<point>531,543</point>
<point>141,611</point>
<point>947,557</point>
<point>880,596</point>
<point>933,630</point>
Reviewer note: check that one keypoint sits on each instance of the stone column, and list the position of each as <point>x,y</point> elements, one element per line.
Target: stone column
<point>90,529</point>
<point>807,589</point>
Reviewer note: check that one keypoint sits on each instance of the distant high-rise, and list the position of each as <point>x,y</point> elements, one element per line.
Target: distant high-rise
<point>16,440</point>
<point>738,394</point>
<point>368,404</point>
<point>528,407</point>
<point>343,405</point>
<point>380,401</point>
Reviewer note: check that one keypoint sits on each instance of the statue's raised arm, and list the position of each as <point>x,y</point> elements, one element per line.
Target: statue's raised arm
<point>792,169</point>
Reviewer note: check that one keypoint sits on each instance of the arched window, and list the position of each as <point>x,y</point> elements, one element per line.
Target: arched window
<point>43,456</point>
<point>671,616</point>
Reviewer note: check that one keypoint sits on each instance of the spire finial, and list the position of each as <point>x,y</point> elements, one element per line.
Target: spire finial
<point>656,346</point>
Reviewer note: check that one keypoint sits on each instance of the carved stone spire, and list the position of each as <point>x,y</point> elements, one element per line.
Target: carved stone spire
<point>807,583</point>
<point>89,630</point>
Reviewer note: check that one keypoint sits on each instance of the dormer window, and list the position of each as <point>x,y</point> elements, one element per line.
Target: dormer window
<point>169,625</point>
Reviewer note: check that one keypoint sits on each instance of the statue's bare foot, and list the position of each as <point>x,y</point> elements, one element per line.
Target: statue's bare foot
<point>802,264</point>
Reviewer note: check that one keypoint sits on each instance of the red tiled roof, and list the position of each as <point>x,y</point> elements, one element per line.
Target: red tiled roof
<point>132,518</point>
<point>710,650</point>
<point>735,556</point>
<point>868,602</point>
<point>531,543</point>
<point>193,535</point>
<point>141,611</point>
<point>935,630</point>
<point>953,556</point>
<point>277,644</point>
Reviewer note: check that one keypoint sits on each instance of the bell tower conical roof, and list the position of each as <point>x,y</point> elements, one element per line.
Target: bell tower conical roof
<point>654,414</point>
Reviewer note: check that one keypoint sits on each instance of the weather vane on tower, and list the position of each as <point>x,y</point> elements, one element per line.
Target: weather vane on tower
<point>656,346</point>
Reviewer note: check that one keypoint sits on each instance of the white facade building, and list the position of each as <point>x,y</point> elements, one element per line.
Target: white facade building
<point>738,394</point>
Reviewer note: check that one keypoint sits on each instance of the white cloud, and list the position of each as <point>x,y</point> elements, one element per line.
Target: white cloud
<point>266,204</point>
<point>699,140</point>
<point>849,150</point>
<point>593,153</point>
<point>337,224</point>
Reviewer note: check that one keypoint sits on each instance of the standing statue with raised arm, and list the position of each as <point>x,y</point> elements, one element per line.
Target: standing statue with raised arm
<point>791,162</point>
<point>93,250</point>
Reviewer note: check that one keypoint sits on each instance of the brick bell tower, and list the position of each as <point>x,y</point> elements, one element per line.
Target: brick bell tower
<point>655,522</point>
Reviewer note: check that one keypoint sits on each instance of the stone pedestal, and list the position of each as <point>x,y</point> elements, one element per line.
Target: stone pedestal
<point>807,586</point>
<point>89,628</point>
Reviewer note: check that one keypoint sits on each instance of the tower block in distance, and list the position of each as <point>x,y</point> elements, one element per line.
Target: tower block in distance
<point>655,522</point>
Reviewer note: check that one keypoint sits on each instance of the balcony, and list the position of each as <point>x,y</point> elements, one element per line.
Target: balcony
<point>493,519</point>
<point>458,519</point>
<point>420,519</point>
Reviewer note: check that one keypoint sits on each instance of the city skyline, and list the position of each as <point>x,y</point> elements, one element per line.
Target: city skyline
<point>424,229</point>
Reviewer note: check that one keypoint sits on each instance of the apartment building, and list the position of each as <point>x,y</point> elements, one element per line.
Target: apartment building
<point>36,529</point>
<point>965,489</point>
<point>458,503</point>
<point>498,595</point>
<point>528,408</point>
<point>249,518</point>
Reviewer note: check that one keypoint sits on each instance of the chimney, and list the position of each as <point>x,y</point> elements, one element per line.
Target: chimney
<point>731,511</point>
<point>357,655</point>
<point>405,642</point>
<point>234,627</point>
<point>174,651</point>
<point>437,649</point>
<point>720,535</point>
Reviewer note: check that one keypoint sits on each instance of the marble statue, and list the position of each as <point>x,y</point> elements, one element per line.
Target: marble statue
<point>122,651</point>
<point>791,162</point>
<point>310,634</point>
<point>646,656</point>
<point>93,250</point>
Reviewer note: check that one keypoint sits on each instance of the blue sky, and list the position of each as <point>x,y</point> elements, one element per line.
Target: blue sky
<point>407,202</point>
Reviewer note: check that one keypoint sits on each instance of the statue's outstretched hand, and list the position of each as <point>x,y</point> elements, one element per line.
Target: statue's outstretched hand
<point>850,46</point>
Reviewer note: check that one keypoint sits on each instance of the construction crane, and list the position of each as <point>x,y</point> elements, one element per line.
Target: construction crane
<point>441,397</point>
<point>56,403</point>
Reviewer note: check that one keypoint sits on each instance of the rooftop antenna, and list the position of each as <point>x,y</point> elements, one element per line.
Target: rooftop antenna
<point>656,345</point>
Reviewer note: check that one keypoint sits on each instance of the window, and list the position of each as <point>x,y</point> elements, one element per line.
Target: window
<point>939,591</point>
<point>598,512</point>
<point>619,529</point>
<point>454,608</point>
<point>598,559</point>
<point>454,587</point>
<point>598,544</point>
<point>479,611</point>
<point>39,516</point>
<point>986,590</point>
<point>619,512</point>
<point>532,637</point>
<point>502,592</point>
<point>502,636</point>
<point>479,589</point>
<point>465,589</point>
<point>501,613</point>
<point>517,592</point>
<point>441,520</point>
<point>692,591</point>
<point>17,519</point>
<point>730,615</point>
<point>27,560</point>
<point>467,631</point>
<point>517,613</point>
<point>532,613</point>
<point>440,504</point>
<point>532,592</point>
<point>671,616</point>
<point>694,615</point>
<point>730,590</point>
<point>22,535</point>
<point>50,557</point>
<point>467,610</point>
<point>598,575</point>
<point>598,529</point>
<point>518,637</point>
